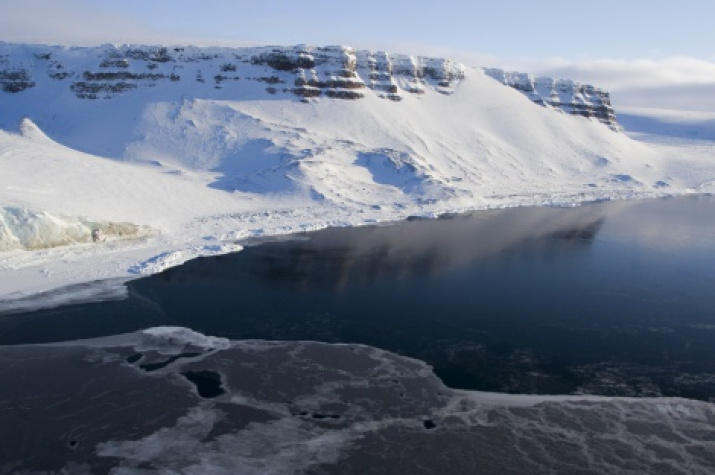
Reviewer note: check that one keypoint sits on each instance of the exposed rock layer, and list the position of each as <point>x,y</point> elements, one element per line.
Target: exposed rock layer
<point>333,71</point>
<point>561,94</point>
<point>307,72</point>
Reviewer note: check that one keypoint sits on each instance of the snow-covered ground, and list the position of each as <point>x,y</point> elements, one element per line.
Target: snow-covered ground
<point>191,170</point>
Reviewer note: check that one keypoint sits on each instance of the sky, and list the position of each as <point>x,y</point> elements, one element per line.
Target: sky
<point>649,53</point>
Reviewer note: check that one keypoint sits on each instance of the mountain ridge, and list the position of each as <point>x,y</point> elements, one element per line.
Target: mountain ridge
<point>341,72</point>
<point>328,123</point>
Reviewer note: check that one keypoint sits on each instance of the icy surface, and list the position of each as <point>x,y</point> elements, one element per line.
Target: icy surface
<point>174,340</point>
<point>102,290</point>
<point>31,230</point>
<point>168,259</point>
<point>302,407</point>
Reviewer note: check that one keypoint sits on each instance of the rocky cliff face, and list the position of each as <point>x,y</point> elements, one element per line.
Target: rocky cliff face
<point>303,72</point>
<point>561,94</point>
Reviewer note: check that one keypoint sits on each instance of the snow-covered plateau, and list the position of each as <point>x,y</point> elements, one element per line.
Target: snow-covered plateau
<point>118,161</point>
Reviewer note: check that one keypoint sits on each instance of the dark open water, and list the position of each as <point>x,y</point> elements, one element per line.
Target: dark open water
<point>614,298</point>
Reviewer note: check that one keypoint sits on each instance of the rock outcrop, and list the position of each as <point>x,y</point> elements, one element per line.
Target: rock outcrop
<point>334,71</point>
<point>561,94</point>
<point>304,72</point>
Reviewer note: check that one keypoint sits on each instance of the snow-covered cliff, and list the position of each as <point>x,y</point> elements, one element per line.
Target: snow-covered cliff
<point>305,71</point>
<point>561,94</point>
<point>334,71</point>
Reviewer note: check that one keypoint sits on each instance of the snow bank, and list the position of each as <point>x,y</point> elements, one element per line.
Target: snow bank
<point>169,259</point>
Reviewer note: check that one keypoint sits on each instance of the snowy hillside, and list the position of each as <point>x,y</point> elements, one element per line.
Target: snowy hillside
<point>193,148</point>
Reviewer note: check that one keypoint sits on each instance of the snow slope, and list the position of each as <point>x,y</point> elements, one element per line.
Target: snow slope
<point>199,162</point>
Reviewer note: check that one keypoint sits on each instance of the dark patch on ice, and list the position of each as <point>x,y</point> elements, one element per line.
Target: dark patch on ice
<point>65,400</point>
<point>429,424</point>
<point>320,416</point>
<point>208,383</point>
<point>148,367</point>
<point>134,358</point>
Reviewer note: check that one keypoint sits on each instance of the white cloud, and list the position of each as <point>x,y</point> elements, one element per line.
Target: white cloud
<point>672,83</point>
<point>642,73</point>
<point>685,97</point>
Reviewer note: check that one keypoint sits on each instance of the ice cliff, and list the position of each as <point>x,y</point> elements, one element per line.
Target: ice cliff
<point>29,229</point>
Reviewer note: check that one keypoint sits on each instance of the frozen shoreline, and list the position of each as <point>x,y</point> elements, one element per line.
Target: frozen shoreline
<point>80,273</point>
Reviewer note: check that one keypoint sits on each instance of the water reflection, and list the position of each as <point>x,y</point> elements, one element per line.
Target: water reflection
<point>670,224</point>
<point>340,257</point>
